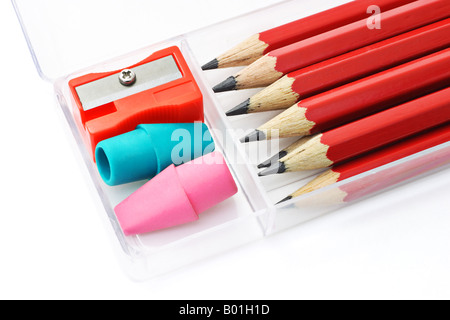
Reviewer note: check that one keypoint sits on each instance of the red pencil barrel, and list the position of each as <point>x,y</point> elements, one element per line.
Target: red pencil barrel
<point>357,34</point>
<point>387,178</point>
<point>365,61</point>
<point>378,92</point>
<point>391,153</point>
<point>323,21</point>
<point>388,126</point>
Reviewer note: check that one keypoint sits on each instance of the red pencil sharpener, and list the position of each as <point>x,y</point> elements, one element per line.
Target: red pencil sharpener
<point>159,89</point>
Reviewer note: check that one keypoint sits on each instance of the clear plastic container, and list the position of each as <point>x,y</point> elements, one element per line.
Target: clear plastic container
<point>90,36</point>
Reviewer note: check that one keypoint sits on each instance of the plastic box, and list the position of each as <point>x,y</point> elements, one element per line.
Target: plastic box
<point>81,38</point>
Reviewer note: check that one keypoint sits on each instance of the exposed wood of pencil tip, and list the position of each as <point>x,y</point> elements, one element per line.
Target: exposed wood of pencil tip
<point>260,73</point>
<point>284,152</point>
<point>331,197</point>
<point>243,54</point>
<point>327,178</point>
<point>277,96</point>
<point>290,123</point>
<point>309,156</point>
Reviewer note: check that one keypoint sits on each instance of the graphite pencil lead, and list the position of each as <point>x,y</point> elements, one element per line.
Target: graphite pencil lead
<point>256,135</point>
<point>285,199</point>
<point>283,153</point>
<point>227,85</point>
<point>213,64</point>
<point>276,168</point>
<point>242,108</point>
<point>272,160</point>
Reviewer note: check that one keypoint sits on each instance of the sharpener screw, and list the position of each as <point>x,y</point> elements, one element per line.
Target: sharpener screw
<point>127,77</point>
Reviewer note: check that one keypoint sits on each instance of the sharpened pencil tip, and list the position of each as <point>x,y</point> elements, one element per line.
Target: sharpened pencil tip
<point>276,168</point>
<point>242,108</point>
<point>285,199</point>
<point>227,85</point>
<point>274,159</point>
<point>254,136</point>
<point>213,64</point>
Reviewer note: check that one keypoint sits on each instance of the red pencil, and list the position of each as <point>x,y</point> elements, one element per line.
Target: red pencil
<point>258,45</point>
<point>365,135</point>
<point>277,63</point>
<point>377,159</point>
<point>378,181</point>
<point>393,176</point>
<point>359,99</point>
<point>348,67</point>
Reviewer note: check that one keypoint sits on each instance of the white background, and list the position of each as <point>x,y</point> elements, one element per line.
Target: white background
<point>54,243</point>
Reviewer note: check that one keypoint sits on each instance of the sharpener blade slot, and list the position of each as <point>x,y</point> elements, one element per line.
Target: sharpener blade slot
<point>109,89</point>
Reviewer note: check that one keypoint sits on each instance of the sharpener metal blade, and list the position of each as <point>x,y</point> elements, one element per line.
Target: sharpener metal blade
<point>109,89</point>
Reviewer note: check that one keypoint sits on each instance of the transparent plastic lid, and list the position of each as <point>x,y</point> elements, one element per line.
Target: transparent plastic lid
<point>65,36</point>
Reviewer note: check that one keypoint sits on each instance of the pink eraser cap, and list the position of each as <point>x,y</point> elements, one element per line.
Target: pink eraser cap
<point>177,195</point>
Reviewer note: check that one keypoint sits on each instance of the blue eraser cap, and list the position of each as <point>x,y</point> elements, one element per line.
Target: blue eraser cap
<point>143,153</point>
